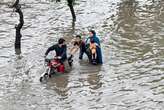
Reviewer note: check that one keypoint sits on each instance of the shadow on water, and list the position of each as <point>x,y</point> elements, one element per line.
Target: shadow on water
<point>59,84</point>
<point>17,51</point>
<point>94,80</point>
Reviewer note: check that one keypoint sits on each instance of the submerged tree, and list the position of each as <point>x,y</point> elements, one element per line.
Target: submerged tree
<point>70,4</point>
<point>18,27</point>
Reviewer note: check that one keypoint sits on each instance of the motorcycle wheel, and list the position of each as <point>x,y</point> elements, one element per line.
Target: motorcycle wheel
<point>41,79</point>
<point>45,76</point>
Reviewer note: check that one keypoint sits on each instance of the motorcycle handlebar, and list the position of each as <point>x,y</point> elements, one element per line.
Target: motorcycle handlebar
<point>56,58</point>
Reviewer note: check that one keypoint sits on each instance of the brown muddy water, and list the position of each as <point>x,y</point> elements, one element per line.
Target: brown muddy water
<point>132,37</point>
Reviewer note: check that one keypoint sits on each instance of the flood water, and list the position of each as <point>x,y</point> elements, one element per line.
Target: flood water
<point>132,38</point>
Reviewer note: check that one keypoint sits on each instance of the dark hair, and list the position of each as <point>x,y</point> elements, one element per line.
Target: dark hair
<point>78,36</point>
<point>61,40</point>
<point>92,31</point>
<point>76,43</point>
<point>92,41</point>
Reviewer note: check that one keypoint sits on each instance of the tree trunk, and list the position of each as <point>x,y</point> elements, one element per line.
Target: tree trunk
<point>18,27</point>
<point>70,4</point>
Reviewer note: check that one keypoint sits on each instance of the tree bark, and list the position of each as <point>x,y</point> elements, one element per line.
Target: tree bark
<point>70,4</point>
<point>18,27</point>
<point>57,0</point>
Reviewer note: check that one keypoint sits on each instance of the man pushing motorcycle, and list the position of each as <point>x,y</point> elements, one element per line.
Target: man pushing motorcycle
<point>61,54</point>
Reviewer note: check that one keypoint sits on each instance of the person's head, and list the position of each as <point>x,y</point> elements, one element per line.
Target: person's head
<point>61,42</point>
<point>78,38</point>
<point>92,33</point>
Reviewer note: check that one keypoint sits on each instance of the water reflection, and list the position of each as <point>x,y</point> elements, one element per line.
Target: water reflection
<point>127,19</point>
<point>137,54</point>
<point>59,84</point>
<point>17,51</point>
<point>94,79</point>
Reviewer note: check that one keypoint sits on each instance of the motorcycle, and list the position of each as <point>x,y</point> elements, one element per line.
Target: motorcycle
<point>52,66</point>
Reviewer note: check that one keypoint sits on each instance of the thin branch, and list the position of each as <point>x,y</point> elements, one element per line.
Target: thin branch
<point>21,21</point>
<point>15,4</point>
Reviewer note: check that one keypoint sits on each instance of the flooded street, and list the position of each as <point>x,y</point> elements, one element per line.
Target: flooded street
<point>132,38</point>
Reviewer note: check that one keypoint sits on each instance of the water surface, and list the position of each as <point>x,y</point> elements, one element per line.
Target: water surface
<point>132,37</point>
